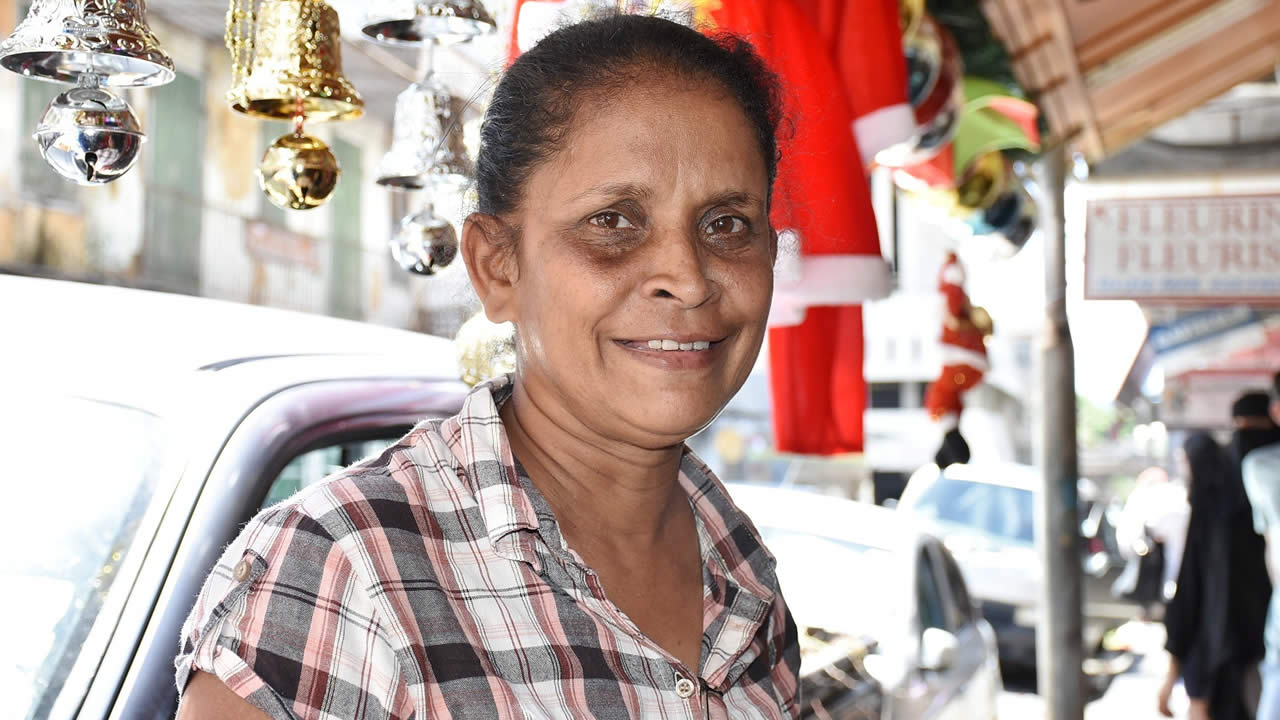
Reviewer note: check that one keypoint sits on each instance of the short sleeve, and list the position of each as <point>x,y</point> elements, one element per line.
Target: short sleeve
<point>284,623</point>
<point>785,638</point>
<point>1262,484</point>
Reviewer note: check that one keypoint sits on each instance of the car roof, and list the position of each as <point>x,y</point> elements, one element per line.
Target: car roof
<point>1004,474</point>
<point>119,344</point>
<point>800,510</point>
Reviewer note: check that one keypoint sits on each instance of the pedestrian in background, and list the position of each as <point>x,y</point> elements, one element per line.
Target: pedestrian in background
<point>1261,473</point>
<point>1215,619</point>
<point>1154,519</point>
<point>1253,426</point>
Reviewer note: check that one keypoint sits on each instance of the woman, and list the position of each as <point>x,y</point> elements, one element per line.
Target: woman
<point>1216,617</point>
<point>553,550</point>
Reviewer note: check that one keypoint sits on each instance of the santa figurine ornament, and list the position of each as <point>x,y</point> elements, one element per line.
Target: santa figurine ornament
<point>965,329</point>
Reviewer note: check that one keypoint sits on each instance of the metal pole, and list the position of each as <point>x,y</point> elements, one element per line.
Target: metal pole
<point>1059,636</point>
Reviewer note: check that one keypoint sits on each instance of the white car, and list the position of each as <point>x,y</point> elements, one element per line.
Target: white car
<point>865,586</point>
<point>985,515</point>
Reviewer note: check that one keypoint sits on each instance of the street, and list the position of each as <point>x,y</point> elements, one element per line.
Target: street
<point>1131,696</point>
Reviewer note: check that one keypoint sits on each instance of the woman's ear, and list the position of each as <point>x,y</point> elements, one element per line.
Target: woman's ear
<point>489,253</point>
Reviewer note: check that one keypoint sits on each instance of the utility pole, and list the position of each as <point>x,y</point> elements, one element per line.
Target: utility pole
<point>1059,635</point>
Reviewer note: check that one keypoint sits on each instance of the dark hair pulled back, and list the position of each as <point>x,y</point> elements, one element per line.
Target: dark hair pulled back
<point>535,102</point>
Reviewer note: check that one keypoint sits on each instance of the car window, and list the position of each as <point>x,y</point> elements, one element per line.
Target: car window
<point>311,467</point>
<point>996,510</point>
<point>929,594</point>
<point>962,611</point>
<point>79,478</point>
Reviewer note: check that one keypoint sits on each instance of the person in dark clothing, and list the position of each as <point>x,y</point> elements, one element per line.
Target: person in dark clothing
<point>1215,620</point>
<point>1254,428</point>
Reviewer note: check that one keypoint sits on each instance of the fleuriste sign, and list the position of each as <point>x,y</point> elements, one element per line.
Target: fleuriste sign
<point>1203,250</point>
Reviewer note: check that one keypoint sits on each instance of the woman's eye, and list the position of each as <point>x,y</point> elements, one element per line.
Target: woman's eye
<point>726,225</point>
<point>611,221</point>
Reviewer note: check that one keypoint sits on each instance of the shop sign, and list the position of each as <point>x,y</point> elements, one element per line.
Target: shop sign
<point>1205,250</point>
<point>268,242</point>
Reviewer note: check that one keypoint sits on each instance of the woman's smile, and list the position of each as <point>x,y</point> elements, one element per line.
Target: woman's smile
<point>676,352</point>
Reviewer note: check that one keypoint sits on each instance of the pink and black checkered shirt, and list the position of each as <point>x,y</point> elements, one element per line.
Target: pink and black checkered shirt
<point>433,582</point>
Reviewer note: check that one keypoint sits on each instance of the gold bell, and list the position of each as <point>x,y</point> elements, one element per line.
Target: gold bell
<point>288,52</point>
<point>982,181</point>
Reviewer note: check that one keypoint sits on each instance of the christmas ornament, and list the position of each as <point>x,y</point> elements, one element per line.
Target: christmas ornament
<point>965,329</point>
<point>425,243</point>
<point>298,172</point>
<point>286,56</point>
<point>485,349</point>
<point>411,22</point>
<point>936,92</point>
<point>416,135</point>
<point>89,136</point>
<point>63,40</point>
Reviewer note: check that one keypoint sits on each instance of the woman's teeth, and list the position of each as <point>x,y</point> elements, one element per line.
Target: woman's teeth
<point>673,345</point>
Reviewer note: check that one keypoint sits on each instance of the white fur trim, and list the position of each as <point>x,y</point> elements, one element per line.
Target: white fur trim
<point>952,355</point>
<point>883,128</point>
<point>829,280</point>
<point>537,19</point>
<point>953,274</point>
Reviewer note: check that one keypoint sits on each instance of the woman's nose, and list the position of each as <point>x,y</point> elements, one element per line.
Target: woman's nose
<point>678,270</point>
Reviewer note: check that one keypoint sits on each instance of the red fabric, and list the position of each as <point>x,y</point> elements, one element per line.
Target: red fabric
<point>945,395</point>
<point>819,393</point>
<point>864,38</point>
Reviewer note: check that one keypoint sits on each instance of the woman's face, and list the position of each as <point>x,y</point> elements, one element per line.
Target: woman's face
<point>645,262</point>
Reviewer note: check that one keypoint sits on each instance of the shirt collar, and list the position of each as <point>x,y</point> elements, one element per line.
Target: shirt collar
<point>740,574</point>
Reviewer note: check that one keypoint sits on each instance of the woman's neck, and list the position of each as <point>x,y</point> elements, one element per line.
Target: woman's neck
<point>602,491</point>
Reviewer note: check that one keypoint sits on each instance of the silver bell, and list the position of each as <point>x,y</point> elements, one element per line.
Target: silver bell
<point>64,40</point>
<point>415,136</point>
<point>89,136</point>
<point>411,22</point>
<point>425,243</point>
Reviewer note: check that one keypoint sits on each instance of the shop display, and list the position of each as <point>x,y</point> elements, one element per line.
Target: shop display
<point>298,172</point>
<point>412,22</point>
<point>965,329</point>
<point>88,134</point>
<point>425,243</point>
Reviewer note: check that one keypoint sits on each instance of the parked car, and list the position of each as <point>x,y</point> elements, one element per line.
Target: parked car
<point>141,431</point>
<point>985,515</point>
<point>875,599</point>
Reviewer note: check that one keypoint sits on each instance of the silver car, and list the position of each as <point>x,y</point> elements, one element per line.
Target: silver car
<point>867,587</point>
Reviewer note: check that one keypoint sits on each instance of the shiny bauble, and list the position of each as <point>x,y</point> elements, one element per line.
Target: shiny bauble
<point>89,136</point>
<point>298,172</point>
<point>425,243</point>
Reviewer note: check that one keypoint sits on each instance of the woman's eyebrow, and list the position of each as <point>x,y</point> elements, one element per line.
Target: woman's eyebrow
<point>735,198</point>
<point>625,190</point>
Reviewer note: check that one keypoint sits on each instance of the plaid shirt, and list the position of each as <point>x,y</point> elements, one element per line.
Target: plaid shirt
<point>432,581</point>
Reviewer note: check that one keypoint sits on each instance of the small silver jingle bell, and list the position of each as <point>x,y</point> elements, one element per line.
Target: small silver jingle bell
<point>425,243</point>
<point>89,135</point>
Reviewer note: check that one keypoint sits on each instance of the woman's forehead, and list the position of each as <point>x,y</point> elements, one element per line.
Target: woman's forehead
<point>660,136</point>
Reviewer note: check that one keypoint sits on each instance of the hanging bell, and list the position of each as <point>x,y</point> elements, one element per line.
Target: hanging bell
<point>411,22</point>
<point>1010,220</point>
<point>89,136</point>
<point>982,181</point>
<point>289,51</point>
<point>425,243</point>
<point>451,164</point>
<point>65,40</point>
<point>298,172</point>
<point>416,136</point>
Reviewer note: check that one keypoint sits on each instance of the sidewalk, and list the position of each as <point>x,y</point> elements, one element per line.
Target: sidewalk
<point>1131,696</point>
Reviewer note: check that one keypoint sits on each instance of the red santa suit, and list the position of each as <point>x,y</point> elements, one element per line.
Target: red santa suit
<point>964,348</point>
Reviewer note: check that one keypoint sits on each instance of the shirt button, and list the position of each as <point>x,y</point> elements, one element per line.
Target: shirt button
<point>685,687</point>
<point>242,570</point>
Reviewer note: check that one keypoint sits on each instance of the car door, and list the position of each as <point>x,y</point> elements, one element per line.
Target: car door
<point>975,670</point>
<point>928,693</point>
<point>290,440</point>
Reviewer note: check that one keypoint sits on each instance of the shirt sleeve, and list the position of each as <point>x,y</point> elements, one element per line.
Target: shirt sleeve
<point>1263,495</point>
<point>785,637</point>
<point>284,623</point>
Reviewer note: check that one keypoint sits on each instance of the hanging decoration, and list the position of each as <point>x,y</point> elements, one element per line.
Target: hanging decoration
<point>425,243</point>
<point>412,22</point>
<point>485,349</point>
<point>88,134</point>
<point>287,65</point>
<point>427,148</point>
<point>965,329</point>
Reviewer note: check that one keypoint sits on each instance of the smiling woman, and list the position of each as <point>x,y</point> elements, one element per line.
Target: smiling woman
<point>554,550</point>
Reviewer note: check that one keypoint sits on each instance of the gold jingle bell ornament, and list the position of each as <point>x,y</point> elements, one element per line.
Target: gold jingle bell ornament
<point>298,172</point>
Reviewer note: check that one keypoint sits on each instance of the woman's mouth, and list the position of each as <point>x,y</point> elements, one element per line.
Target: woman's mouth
<point>681,353</point>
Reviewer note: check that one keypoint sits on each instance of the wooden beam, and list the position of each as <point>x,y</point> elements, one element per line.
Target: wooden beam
<point>1210,57</point>
<point>1108,29</point>
<point>1238,69</point>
